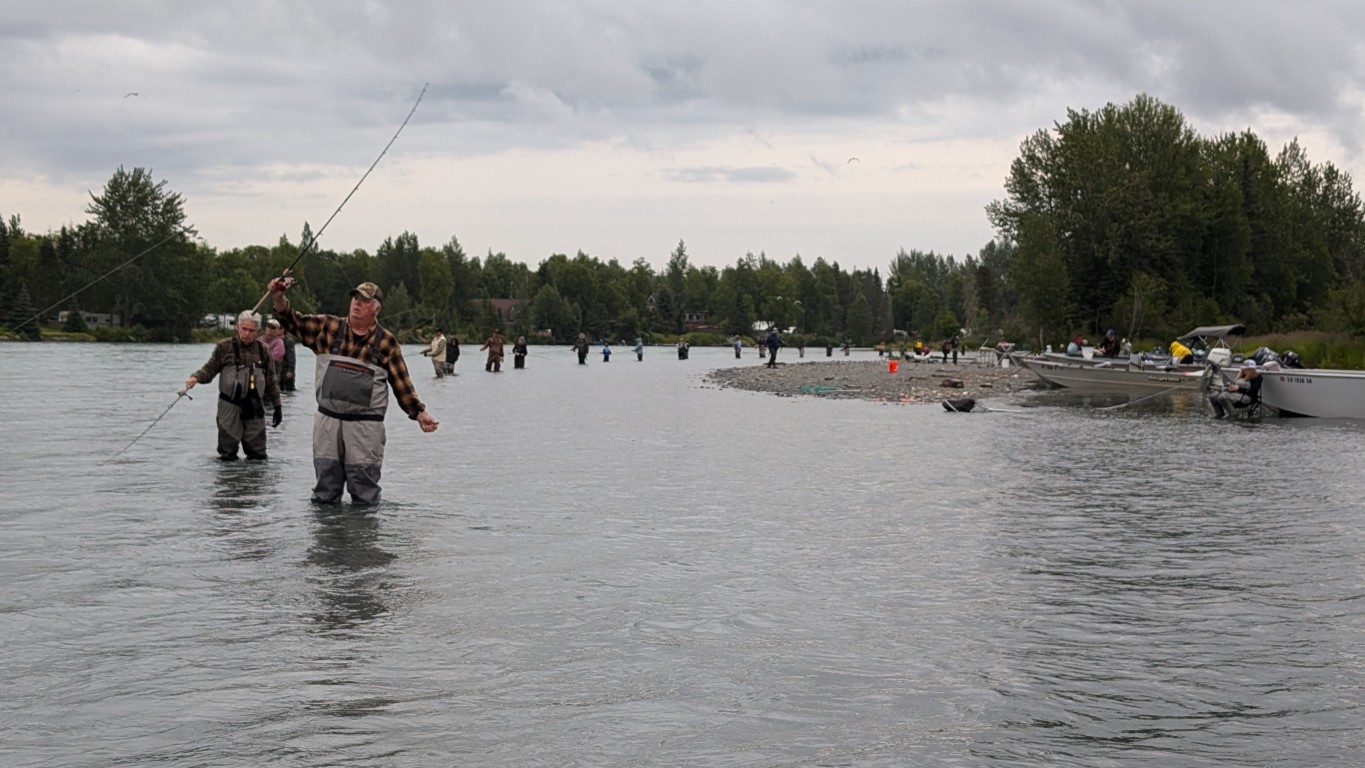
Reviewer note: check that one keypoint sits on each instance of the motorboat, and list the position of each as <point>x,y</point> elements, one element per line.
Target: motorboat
<point>1319,392</point>
<point>1122,376</point>
<point>1208,344</point>
<point>1139,372</point>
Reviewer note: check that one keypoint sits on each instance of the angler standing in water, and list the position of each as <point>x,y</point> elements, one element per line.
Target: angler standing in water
<point>519,353</point>
<point>437,353</point>
<point>495,355</point>
<point>357,363</point>
<point>639,349</point>
<point>581,347</point>
<point>247,376</point>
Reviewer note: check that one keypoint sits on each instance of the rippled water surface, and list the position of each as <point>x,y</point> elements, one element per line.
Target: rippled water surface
<point>617,565</point>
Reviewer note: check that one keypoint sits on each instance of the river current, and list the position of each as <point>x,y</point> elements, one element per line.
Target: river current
<point>620,565</point>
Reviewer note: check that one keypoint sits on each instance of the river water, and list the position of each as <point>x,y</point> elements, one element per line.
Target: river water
<point>619,565</point>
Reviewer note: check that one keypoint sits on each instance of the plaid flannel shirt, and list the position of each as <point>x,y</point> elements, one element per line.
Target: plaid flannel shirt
<point>318,331</point>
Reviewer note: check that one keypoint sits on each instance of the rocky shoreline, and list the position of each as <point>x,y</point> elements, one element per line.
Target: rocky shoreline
<point>927,382</point>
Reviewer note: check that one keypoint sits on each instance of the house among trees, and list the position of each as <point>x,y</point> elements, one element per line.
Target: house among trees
<point>696,321</point>
<point>505,311</point>
<point>92,319</point>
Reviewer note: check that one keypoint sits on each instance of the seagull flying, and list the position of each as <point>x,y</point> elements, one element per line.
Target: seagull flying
<point>851,159</point>
<point>131,93</point>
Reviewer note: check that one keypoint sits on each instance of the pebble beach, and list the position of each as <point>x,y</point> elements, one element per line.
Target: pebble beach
<point>912,383</point>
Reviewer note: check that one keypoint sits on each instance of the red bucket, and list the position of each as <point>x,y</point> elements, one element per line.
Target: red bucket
<point>892,365</point>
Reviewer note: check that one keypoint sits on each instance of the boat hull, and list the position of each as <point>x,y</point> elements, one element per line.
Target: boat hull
<point>1116,379</point>
<point>1318,392</point>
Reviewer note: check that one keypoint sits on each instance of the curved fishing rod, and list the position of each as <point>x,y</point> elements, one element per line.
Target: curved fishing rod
<point>179,231</point>
<point>178,395</point>
<point>312,240</point>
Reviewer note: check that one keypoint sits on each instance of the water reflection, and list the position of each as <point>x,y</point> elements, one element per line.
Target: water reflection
<point>354,584</point>
<point>239,489</point>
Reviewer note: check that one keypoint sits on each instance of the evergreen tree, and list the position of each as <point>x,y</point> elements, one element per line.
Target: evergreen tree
<point>75,320</point>
<point>23,321</point>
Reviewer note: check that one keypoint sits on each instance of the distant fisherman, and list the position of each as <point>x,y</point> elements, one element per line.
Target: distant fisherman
<point>248,375</point>
<point>580,346</point>
<point>437,353</point>
<point>494,346</point>
<point>357,363</point>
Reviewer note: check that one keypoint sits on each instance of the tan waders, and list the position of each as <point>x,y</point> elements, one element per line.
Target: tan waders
<point>348,429</point>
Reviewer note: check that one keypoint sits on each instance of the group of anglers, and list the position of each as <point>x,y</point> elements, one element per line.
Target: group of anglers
<point>444,352</point>
<point>358,364</point>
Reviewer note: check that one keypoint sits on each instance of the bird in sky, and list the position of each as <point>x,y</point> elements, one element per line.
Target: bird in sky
<point>851,159</point>
<point>131,93</point>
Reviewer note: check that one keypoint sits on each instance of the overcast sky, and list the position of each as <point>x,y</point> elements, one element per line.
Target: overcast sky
<point>846,130</point>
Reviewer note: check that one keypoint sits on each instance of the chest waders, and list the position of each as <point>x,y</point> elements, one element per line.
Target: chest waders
<point>348,429</point>
<point>241,412</point>
<point>438,358</point>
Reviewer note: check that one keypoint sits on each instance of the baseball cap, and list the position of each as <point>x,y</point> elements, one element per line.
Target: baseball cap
<point>368,291</point>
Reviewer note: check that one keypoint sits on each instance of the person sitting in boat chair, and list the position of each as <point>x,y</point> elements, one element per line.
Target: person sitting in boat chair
<point>1244,392</point>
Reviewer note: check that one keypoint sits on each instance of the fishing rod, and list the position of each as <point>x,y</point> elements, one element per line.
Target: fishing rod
<point>182,393</point>
<point>1140,399</point>
<point>82,289</point>
<point>312,240</point>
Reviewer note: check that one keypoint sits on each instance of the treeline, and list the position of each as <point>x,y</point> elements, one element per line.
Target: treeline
<point>1121,218</point>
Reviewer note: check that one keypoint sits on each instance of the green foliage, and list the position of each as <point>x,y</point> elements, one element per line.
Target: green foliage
<point>859,326</point>
<point>22,320</point>
<point>1131,190</point>
<point>945,326</point>
<point>75,321</point>
<point>1315,348</point>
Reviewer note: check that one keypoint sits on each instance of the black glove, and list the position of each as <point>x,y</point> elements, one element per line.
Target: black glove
<point>278,417</point>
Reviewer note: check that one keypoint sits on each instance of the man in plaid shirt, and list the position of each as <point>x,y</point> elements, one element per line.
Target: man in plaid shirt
<point>357,363</point>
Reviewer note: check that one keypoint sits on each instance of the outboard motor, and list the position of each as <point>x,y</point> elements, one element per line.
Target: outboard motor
<point>1290,359</point>
<point>1264,355</point>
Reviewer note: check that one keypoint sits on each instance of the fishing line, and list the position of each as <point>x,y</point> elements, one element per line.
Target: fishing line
<point>312,240</point>
<point>158,244</point>
<point>1140,399</point>
<point>182,393</point>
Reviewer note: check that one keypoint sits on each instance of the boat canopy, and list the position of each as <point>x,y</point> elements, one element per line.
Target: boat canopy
<point>1213,332</point>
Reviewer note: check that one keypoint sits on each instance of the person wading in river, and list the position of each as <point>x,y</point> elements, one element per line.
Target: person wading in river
<point>247,376</point>
<point>494,346</point>
<point>357,363</point>
<point>437,353</point>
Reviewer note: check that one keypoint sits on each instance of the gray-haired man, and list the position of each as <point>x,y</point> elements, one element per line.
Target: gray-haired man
<point>248,378</point>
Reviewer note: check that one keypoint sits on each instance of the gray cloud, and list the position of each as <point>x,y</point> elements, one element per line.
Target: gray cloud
<point>231,89</point>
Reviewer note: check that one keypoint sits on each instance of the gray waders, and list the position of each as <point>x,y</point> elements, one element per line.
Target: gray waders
<point>348,429</point>
<point>241,414</point>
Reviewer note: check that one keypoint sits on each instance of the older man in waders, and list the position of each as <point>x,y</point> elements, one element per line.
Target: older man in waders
<point>247,379</point>
<point>357,363</point>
